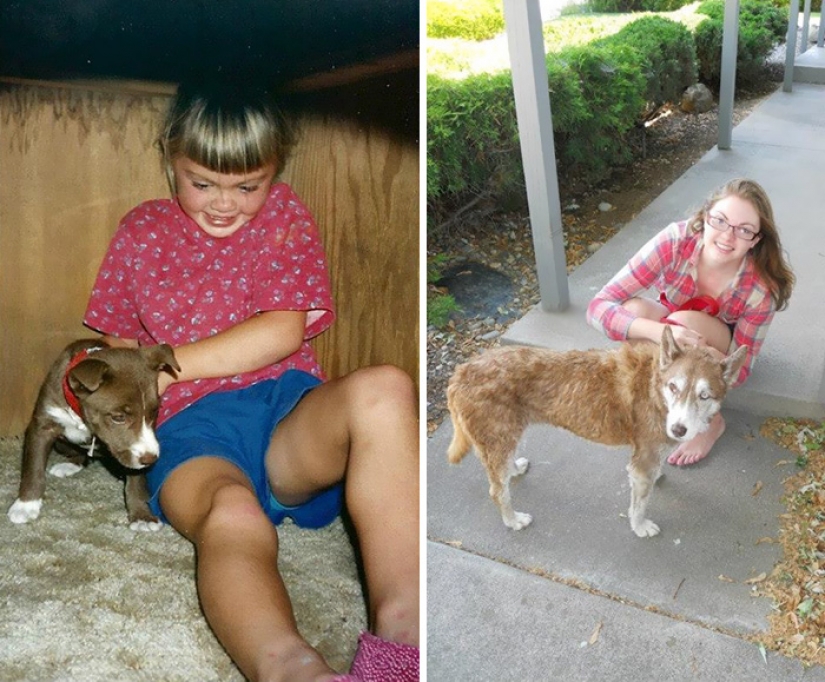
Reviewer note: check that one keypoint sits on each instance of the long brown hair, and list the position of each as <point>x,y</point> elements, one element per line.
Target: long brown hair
<point>769,258</point>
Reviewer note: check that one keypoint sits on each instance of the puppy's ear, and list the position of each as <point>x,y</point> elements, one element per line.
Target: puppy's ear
<point>161,357</point>
<point>669,350</point>
<point>732,364</point>
<point>88,376</point>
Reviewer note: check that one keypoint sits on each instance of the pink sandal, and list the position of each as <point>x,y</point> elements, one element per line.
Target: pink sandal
<point>378,660</point>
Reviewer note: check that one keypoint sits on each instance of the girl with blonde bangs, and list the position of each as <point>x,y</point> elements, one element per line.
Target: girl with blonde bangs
<point>232,274</point>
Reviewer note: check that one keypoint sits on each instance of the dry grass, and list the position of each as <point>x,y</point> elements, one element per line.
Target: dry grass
<point>797,583</point>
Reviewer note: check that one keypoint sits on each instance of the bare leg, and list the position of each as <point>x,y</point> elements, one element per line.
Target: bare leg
<point>209,501</point>
<point>698,448</point>
<point>363,427</point>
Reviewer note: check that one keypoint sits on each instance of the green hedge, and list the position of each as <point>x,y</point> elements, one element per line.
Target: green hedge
<point>622,6</point>
<point>668,56</point>
<point>467,19</point>
<point>762,26</point>
<point>599,94</point>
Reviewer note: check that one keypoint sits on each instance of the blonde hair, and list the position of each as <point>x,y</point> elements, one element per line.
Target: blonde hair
<point>225,129</point>
<point>769,259</point>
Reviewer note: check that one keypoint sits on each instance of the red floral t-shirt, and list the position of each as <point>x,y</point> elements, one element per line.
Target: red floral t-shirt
<point>164,280</point>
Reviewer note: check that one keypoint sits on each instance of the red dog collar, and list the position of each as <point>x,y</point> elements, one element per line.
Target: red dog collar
<point>68,393</point>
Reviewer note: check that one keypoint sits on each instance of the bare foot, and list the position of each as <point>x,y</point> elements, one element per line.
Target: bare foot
<point>299,663</point>
<point>698,448</point>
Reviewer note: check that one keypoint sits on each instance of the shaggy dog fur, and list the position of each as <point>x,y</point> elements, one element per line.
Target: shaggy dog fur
<point>641,394</point>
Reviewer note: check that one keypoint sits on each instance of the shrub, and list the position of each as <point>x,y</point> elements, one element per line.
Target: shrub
<point>612,86</point>
<point>668,56</point>
<point>637,5</point>
<point>467,19</point>
<point>762,25</point>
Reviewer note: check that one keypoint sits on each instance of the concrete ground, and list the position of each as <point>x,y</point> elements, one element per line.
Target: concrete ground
<point>576,595</point>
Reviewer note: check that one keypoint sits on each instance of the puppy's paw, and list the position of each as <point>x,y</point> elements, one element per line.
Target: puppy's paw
<point>23,512</point>
<point>143,526</point>
<point>645,528</point>
<point>64,469</point>
<point>520,464</point>
<point>520,520</point>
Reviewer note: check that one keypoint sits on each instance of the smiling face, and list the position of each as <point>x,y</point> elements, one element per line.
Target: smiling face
<point>220,203</point>
<point>724,246</point>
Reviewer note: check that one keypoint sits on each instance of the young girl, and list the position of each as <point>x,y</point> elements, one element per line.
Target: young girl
<point>719,276</point>
<point>232,274</point>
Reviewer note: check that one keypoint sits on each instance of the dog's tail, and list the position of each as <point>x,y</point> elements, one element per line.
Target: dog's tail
<point>460,445</point>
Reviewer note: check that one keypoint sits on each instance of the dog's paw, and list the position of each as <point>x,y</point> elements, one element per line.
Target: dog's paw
<point>645,528</point>
<point>143,526</point>
<point>520,520</point>
<point>64,469</point>
<point>521,464</point>
<point>23,512</point>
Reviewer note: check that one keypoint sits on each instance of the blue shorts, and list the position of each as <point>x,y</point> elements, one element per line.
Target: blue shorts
<point>237,426</point>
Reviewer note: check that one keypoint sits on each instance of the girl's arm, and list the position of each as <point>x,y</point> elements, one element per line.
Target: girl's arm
<point>262,340</point>
<point>605,311</point>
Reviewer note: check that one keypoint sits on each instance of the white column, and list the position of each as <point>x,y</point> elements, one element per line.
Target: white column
<point>535,126</point>
<point>727,79</point>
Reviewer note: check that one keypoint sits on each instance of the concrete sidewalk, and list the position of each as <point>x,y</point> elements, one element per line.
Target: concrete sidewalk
<point>524,606</point>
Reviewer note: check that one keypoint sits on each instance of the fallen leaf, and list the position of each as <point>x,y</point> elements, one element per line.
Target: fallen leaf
<point>595,636</point>
<point>756,579</point>
<point>454,543</point>
<point>764,655</point>
<point>756,489</point>
<point>762,541</point>
<point>725,579</point>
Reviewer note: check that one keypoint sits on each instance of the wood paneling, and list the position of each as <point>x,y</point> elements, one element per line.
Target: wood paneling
<point>73,160</point>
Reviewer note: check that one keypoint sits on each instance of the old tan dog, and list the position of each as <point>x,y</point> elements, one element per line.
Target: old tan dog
<point>640,394</point>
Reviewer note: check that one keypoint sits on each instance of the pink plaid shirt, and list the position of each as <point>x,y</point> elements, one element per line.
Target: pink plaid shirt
<point>164,280</point>
<point>668,263</point>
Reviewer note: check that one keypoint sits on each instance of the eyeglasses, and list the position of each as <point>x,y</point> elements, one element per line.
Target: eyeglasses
<point>720,224</point>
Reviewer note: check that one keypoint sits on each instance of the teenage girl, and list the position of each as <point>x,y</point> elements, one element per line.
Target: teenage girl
<point>719,277</point>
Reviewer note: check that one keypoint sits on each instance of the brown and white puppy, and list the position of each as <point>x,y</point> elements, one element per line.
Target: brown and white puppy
<point>94,392</point>
<point>640,394</point>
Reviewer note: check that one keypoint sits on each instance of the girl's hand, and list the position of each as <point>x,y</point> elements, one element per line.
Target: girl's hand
<point>687,337</point>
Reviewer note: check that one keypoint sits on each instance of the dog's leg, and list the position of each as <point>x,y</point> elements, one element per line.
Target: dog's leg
<point>643,471</point>
<point>37,444</point>
<point>137,504</point>
<point>75,459</point>
<point>500,490</point>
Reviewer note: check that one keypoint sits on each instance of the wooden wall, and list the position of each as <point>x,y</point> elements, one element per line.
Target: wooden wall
<point>74,159</point>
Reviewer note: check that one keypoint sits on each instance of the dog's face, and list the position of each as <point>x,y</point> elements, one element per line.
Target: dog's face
<point>694,384</point>
<point>118,393</point>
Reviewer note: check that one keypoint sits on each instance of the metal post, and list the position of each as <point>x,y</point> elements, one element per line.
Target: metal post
<point>727,80</point>
<point>790,45</point>
<point>535,126</point>
<point>806,22</point>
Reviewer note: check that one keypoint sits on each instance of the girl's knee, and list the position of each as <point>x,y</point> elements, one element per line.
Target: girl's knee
<point>235,512</point>
<point>642,307</point>
<point>382,385</point>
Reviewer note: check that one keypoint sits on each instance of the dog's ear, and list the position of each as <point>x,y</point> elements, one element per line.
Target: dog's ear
<point>88,376</point>
<point>161,357</point>
<point>733,363</point>
<point>669,350</point>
